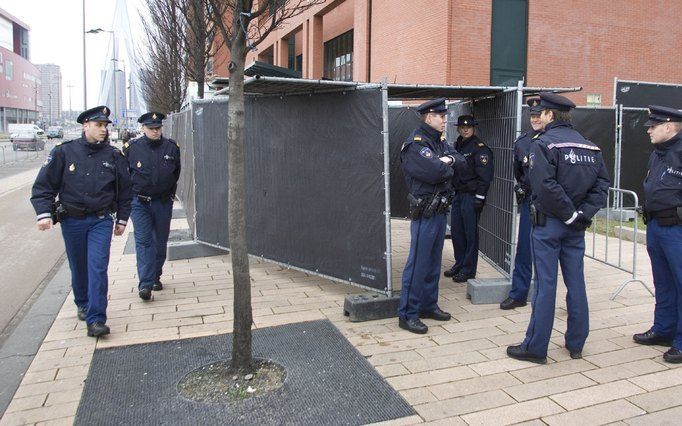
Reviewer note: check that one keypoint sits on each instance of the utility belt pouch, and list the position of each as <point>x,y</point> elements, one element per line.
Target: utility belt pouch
<point>667,217</point>
<point>57,211</point>
<point>537,218</point>
<point>73,211</point>
<point>432,207</point>
<point>416,207</point>
<point>444,205</point>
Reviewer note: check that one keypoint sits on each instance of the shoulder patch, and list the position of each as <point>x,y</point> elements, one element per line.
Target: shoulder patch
<point>418,138</point>
<point>178,145</point>
<point>481,144</point>
<point>537,136</point>
<point>426,152</point>
<point>126,145</point>
<point>484,159</point>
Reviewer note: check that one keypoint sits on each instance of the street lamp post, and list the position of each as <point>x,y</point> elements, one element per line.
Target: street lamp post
<point>85,73</point>
<point>114,60</point>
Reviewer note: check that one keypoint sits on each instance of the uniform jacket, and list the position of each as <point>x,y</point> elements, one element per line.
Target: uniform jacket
<point>84,175</point>
<point>424,172</point>
<point>663,182</point>
<point>154,166</point>
<point>567,173</point>
<point>477,176</point>
<point>521,152</point>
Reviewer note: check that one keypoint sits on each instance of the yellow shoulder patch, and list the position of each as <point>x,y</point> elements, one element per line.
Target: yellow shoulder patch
<point>177,144</point>
<point>536,136</point>
<point>418,138</point>
<point>57,144</point>
<point>126,145</point>
<point>481,144</point>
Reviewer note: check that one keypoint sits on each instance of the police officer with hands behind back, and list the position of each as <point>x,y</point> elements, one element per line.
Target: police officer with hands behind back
<point>428,163</point>
<point>91,180</point>
<point>154,162</point>
<point>663,216</point>
<point>523,265</point>
<point>471,187</point>
<point>569,184</point>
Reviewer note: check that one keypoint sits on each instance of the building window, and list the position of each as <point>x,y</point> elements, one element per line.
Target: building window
<point>291,55</point>
<point>509,44</point>
<point>9,70</point>
<point>338,57</point>
<point>299,62</point>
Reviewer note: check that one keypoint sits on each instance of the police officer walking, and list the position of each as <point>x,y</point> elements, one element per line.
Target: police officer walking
<point>428,164</point>
<point>569,184</point>
<point>471,187</point>
<point>663,216</point>
<point>154,162</point>
<point>91,181</point>
<point>522,261</point>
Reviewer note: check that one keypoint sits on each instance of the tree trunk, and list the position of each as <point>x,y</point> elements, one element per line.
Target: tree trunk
<point>241,338</point>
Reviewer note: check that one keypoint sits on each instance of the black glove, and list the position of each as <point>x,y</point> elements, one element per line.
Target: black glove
<point>580,223</point>
<point>520,193</point>
<point>478,204</point>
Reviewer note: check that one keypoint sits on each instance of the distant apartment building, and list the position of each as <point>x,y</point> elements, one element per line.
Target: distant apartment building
<point>50,93</point>
<point>19,79</point>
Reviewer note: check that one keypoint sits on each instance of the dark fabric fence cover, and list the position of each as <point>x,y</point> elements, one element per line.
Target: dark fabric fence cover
<point>641,94</point>
<point>401,122</point>
<point>636,149</point>
<point>180,125</point>
<point>314,181</point>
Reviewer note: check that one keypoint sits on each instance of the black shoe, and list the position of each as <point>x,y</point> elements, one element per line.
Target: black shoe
<point>413,325</point>
<point>437,314</point>
<point>510,303</point>
<point>461,277</point>
<point>651,338</point>
<point>673,355</point>
<point>97,329</point>
<point>145,293</point>
<point>451,272</point>
<point>576,354</point>
<point>82,312</point>
<point>157,286</point>
<point>519,353</point>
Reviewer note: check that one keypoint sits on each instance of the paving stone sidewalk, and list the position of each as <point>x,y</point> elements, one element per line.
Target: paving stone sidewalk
<point>456,374</point>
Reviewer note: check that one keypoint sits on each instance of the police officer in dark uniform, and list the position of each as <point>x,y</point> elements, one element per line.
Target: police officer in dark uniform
<point>91,180</point>
<point>569,184</point>
<point>523,268</point>
<point>663,215</point>
<point>471,187</point>
<point>428,163</point>
<point>154,162</point>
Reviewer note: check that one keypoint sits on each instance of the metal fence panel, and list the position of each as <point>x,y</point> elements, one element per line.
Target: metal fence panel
<point>180,129</point>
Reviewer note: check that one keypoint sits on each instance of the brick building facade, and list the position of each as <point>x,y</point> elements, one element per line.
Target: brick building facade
<point>460,42</point>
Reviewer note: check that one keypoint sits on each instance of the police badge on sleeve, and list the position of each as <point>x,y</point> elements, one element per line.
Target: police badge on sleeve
<point>426,153</point>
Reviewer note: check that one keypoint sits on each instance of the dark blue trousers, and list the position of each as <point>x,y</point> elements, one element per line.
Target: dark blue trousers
<point>88,243</point>
<point>552,244</point>
<point>464,230</point>
<point>421,274</point>
<point>664,244</point>
<point>152,226</point>
<point>523,263</point>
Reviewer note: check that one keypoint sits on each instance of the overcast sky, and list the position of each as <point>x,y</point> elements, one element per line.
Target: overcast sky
<point>56,37</point>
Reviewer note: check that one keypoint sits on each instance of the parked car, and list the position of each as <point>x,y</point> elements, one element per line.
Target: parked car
<point>55,132</point>
<point>28,141</point>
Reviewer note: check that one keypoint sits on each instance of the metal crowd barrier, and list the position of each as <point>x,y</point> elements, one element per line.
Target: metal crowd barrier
<point>618,209</point>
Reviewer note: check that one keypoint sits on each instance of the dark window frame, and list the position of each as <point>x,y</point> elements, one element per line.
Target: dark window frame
<point>338,57</point>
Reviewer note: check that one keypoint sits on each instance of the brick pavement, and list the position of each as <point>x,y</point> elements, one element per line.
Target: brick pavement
<point>457,374</point>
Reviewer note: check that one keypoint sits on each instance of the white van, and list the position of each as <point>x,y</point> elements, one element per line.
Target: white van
<point>16,128</point>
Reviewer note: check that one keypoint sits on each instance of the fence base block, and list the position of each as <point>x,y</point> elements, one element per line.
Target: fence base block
<point>191,250</point>
<point>489,290</point>
<point>370,306</point>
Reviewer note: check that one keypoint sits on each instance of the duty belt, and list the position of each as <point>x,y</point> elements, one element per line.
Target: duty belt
<point>80,212</point>
<point>665,217</point>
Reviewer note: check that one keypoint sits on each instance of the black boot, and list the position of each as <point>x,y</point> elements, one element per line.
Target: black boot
<point>517,352</point>
<point>437,314</point>
<point>451,272</point>
<point>673,355</point>
<point>145,293</point>
<point>413,325</point>
<point>97,329</point>
<point>157,286</point>
<point>510,303</point>
<point>82,312</point>
<point>652,338</point>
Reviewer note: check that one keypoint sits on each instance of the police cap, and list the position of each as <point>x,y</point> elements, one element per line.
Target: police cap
<point>534,104</point>
<point>660,114</point>
<point>153,120</point>
<point>553,101</point>
<point>435,105</point>
<point>99,113</point>
<point>466,120</point>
